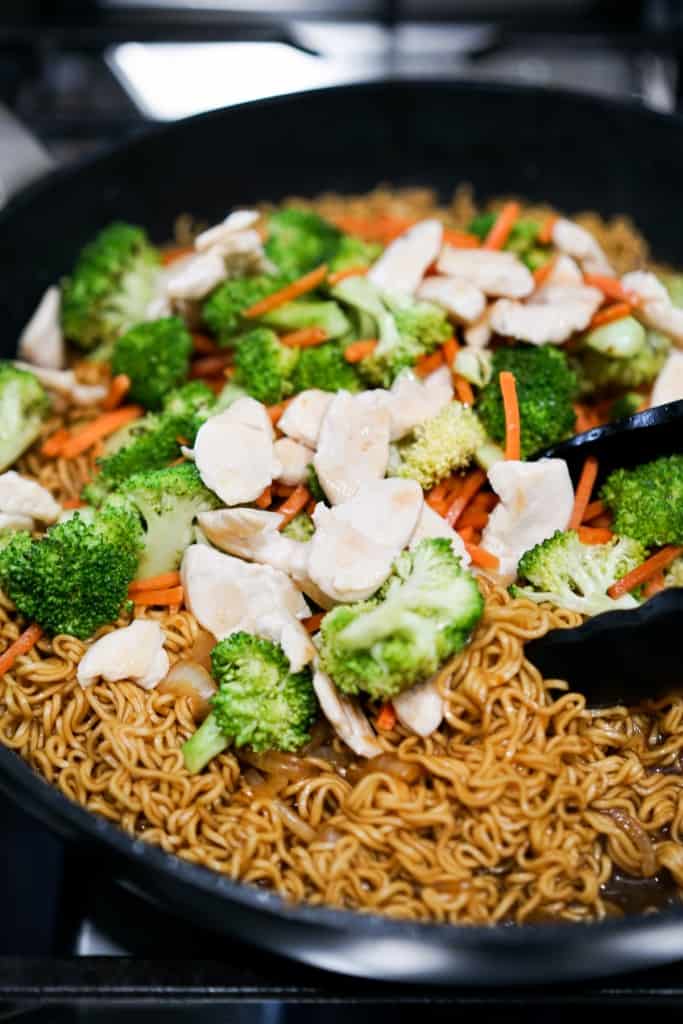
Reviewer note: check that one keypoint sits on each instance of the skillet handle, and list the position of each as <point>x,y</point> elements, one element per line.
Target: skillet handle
<point>22,158</point>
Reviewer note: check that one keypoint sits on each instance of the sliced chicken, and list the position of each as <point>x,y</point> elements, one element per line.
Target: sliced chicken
<point>566,271</point>
<point>536,499</point>
<point>237,221</point>
<point>494,273</point>
<point>294,460</point>
<point>226,595</point>
<point>194,276</point>
<point>458,296</point>
<point>431,524</point>
<point>345,716</point>
<point>386,511</point>
<point>14,521</point>
<point>669,384</point>
<point>551,317</point>
<point>233,452</point>
<point>655,310</point>
<point>577,242</point>
<point>404,262</point>
<point>254,534</point>
<point>23,497</point>
<point>41,342</point>
<point>413,399</point>
<point>64,382</point>
<point>478,335</point>
<point>353,447</point>
<point>303,417</point>
<point>420,708</point>
<point>135,652</point>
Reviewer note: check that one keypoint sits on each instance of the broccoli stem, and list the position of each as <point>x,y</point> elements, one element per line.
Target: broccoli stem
<point>207,743</point>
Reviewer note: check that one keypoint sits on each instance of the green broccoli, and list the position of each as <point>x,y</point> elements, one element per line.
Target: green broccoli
<point>24,405</point>
<point>110,287</point>
<point>439,446</point>
<point>156,357</point>
<point>300,528</point>
<point>260,702</point>
<point>314,485</point>
<point>264,366</point>
<point>546,387</point>
<point>647,502</point>
<point>423,615</point>
<point>223,310</point>
<point>300,240</point>
<point>626,405</point>
<point>522,240</point>
<point>599,373</point>
<point>295,316</point>
<point>75,578</point>
<point>168,502</point>
<point>324,367</point>
<point>673,576</point>
<point>565,572</point>
<point>353,252</point>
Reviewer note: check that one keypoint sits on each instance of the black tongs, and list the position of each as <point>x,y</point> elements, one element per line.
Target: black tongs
<point>631,655</point>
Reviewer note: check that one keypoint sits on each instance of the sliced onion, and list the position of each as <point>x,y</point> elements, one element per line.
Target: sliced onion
<point>407,771</point>
<point>296,824</point>
<point>291,767</point>
<point>188,679</point>
<point>638,836</point>
<point>200,652</point>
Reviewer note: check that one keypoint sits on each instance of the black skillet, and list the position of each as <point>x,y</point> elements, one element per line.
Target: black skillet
<point>575,151</point>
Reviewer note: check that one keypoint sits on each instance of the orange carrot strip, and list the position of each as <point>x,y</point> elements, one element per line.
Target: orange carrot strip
<point>481,557</point>
<point>586,418</point>
<point>545,235</point>
<point>450,351</point>
<point>463,390</point>
<point>594,534</point>
<point>643,572</point>
<point>101,427</point>
<point>307,337</point>
<point>276,411</point>
<point>508,389</point>
<point>541,274</point>
<point>474,482</point>
<point>386,719</point>
<point>161,582</point>
<point>281,490</point>
<point>210,366</point>
<point>439,491</point>
<point>427,364</point>
<point>312,623</point>
<point>617,311</point>
<point>341,275</point>
<point>118,389</point>
<point>359,350</point>
<point>611,288</point>
<point>55,442</point>
<point>297,500</point>
<point>22,645</point>
<point>265,498</point>
<point>584,489</point>
<point>311,506</point>
<point>654,584</point>
<point>593,510</point>
<point>291,291</point>
<point>204,345</point>
<point>374,229</point>
<point>504,223</point>
<point>176,253</point>
<point>460,239</point>
<point>73,503</point>
<point>174,595</point>
<point>477,518</point>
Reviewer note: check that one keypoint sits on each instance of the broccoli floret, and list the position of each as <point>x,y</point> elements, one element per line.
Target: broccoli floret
<point>565,572</point>
<point>625,406</point>
<point>423,615</point>
<point>227,397</point>
<point>673,576</point>
<point>295,316</point>
<point>314,485</point>
<point>300,528</point>
<point>76,577</point>
<point>605,374</point>
<point>110,287</point>
<point>299,240</point>
<point>546,387</point>
<point>23,407</point>
<point>223,311</point>
<point>354,252</point>
<point>647,502</point>
<point>324,367</point>
<point>156,357</point>
<point>439,446</point>
<point>522,240</point>
<point>264,366</point>
<point>168,502</point>
<point>260,702</point>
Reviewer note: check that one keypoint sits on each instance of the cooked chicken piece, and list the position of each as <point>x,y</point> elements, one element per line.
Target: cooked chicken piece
<point>41,342</point>
<point>420,708</point>
<point>294,459</point>
<point>14,521</point>
<point>345,716</point>
<point>135,652</point>
<point>536,499</point>
<point>458,296</point>
<point>194,276</point>
<point>655,310</point>
<point>577,242</point>
<point>551,317</point>
<point>431,524</point>
<point>494,273</point>
<point>233,452</point>
<point>386,511</point>
<point>404,262</point>
<point>304,415</point>
<point>478,335</point>
<point>238,221</point>
<point>353,447</point>
<point>226,595</point>
<point>413,400</point>
<point>64,382</point>
<point>566,271</point>
<point>23,497</point>
<point>254,534</point>
<point>669,384</point>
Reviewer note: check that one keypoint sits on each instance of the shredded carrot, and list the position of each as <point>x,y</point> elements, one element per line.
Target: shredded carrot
<point>460,239</point>
<point>608,315</point>
<point>427,364</point>
<point>545,235</point>
<point>291,507</point>
<point>541,274</point>
<point>593,510</point>
<point>118,389</point>
<point>473,483</point>
<point>594,534</point>
<point>215,383</point>
<point>359,350</point>
<point>450,350</point>
<point>265,498</point>
<point>504,223</point>
<point>210,366</point>
<point>340,275</point>
<point>375,229</point>
<point>177,253</point>
<point>310,506</point>
<point>643,572</point>
<point>204,345</point>
<point>55,442</point>
<point>463,390</point>
<point>161,582</point>
<point>173,595</point>
<point>586,418</point>
<point>386,719</point>
<point>276,411</point>
<point>291,291</point>
<point>71,503</point>
<point>439,491</point>
<point>98,428</point>
<point>611,288</point>
<point>281,490</point>
<point>654,584</point>
<point>481,557</point>
<point>508,389</point>
<point>584,489</point>
<point>468,534</point>
<point>307,337</point>
<point>22,645</point>
<point>477,518</point>
<point>312,623</point>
